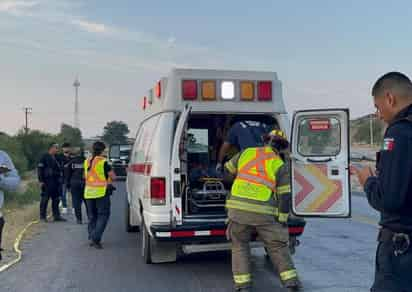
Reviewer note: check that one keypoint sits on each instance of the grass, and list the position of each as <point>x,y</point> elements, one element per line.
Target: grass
<point>29,194</point>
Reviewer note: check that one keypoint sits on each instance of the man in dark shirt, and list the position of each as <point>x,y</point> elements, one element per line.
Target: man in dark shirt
<point>50,177</point>
<point>74,180</point>
<point>242,135</point>
<point>389,189</point>
<point>63,158</point>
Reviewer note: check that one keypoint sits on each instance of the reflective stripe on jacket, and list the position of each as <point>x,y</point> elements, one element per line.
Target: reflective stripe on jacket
<point>254,189</point>
<point>96,182</point>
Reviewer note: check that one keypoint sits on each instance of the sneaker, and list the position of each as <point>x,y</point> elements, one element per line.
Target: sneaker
<point>60,219</point>
<point>64,211</point>
<point>79,221</point>
<point>44,220</point>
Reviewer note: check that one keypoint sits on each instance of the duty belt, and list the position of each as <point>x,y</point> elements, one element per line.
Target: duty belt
<point>401,241</point>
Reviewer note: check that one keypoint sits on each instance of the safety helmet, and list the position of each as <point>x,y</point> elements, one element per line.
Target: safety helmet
<point>98,147</point>
<point>277,139</point>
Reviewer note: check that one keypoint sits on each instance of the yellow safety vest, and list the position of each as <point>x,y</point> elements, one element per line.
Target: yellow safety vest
<point>254,189</point>
<point>96,182</point>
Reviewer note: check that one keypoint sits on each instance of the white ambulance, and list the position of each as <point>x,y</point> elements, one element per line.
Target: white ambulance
<point>173,195</point>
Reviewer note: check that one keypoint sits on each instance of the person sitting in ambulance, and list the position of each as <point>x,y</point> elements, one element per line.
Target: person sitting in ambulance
<point>242,135</point>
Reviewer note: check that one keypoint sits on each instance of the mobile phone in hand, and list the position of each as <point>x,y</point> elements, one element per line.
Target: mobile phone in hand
<point>4,169</point>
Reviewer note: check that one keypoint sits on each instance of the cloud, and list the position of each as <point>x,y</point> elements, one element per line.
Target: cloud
<point>92,27</point>
<point>17,7</point>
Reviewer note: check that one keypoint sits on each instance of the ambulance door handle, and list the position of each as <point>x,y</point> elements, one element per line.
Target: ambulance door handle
<point>319,160</point>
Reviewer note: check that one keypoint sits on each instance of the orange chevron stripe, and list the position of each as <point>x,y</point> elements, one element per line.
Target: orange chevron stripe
<point>329,187</point>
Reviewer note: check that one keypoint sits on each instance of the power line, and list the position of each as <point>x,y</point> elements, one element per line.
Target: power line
<point>27,111</point>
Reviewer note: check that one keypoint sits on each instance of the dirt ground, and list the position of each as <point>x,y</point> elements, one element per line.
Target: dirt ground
<point>16,220</point>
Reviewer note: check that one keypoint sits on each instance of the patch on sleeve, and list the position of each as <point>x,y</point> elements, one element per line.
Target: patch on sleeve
<point>388,144</point>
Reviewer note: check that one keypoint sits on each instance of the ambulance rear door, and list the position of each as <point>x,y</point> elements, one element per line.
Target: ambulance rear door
<point>176,166</point>
<point>320,163</point>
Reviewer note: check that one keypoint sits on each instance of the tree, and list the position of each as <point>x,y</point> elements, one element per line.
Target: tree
<point>14,149</point>
<point>362,131</point>
<point>71,135</point>
<point>115,132</point>
<point>34,144</point>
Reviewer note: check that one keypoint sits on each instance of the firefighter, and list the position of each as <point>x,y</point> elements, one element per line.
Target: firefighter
<point>259,202</point>
<point>98,176</point>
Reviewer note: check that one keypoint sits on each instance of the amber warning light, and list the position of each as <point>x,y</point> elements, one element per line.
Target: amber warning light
<point>319,125</point>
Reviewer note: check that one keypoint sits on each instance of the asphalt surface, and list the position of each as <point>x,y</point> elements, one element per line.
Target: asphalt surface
<point>335,255</point>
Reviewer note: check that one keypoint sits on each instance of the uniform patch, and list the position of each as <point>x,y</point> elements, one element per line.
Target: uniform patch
<point>388,144</point>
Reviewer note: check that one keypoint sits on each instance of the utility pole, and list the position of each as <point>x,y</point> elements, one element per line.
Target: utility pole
<point>76,85</point>
<point>27,111</point>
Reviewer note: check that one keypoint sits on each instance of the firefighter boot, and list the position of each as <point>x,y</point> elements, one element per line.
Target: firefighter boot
<point>242,289</point>
<point>294,285</point>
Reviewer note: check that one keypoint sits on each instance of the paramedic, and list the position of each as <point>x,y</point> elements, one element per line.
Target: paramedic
<point>98,175</point>
<point>389,189</point>
<point>242,134</point>
<point>259,201</point>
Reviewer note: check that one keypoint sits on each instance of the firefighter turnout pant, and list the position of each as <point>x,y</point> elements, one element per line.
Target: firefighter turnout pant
<point>275,238</point>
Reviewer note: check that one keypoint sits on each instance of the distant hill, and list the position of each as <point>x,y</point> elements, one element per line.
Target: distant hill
<point>360,130</point>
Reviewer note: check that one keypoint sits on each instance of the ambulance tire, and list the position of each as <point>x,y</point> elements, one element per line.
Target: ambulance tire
<point>145,243</point>
<point>129,227</point>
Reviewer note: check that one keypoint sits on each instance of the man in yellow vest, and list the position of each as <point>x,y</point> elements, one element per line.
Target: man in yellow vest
<point>259,202</point>
<point>98,188</point>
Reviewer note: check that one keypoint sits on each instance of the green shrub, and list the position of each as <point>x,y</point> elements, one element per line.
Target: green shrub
<point>30,195</point>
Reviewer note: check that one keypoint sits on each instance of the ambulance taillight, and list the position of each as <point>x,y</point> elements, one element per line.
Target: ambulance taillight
<point>189,89</point>
<point>264,90</point>
<point>158,190</point>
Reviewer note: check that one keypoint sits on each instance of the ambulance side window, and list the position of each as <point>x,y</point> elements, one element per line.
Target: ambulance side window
<point>319,137</point>
<point>136,146</point>
<point>147,137</point>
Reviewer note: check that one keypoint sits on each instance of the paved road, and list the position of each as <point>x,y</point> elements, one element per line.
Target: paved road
<point>335,255</point>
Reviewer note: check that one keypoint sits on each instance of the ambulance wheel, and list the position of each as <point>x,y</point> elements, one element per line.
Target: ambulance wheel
<point>145,242</point>
<point>129,227</point>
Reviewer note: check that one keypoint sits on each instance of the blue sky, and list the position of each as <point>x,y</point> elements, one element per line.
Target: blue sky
<point>327,53</point>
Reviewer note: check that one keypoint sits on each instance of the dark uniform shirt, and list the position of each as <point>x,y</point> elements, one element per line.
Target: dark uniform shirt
<point>247,134</point>
<point>63,159</point>
<point>74,171</point>
<point>390,192</point>
<point>49,172</point>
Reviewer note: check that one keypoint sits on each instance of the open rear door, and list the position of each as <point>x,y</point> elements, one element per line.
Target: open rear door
<point>176,165</point>
<point>320,163</point>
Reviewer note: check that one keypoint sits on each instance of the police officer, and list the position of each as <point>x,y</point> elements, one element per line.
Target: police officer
<point>98,176</point>
<point>389,189</point>
<point>63,158</point>
<point>259,201</point>
<point>242,134</point>
<point>50,177</point>
<point>74,179</point>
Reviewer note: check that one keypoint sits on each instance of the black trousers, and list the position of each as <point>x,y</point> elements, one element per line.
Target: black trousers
<point>50,192</point>
<point>1,229</point>
<point>98,211</point>
<point>77,191</point>
<point>392,273</point>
